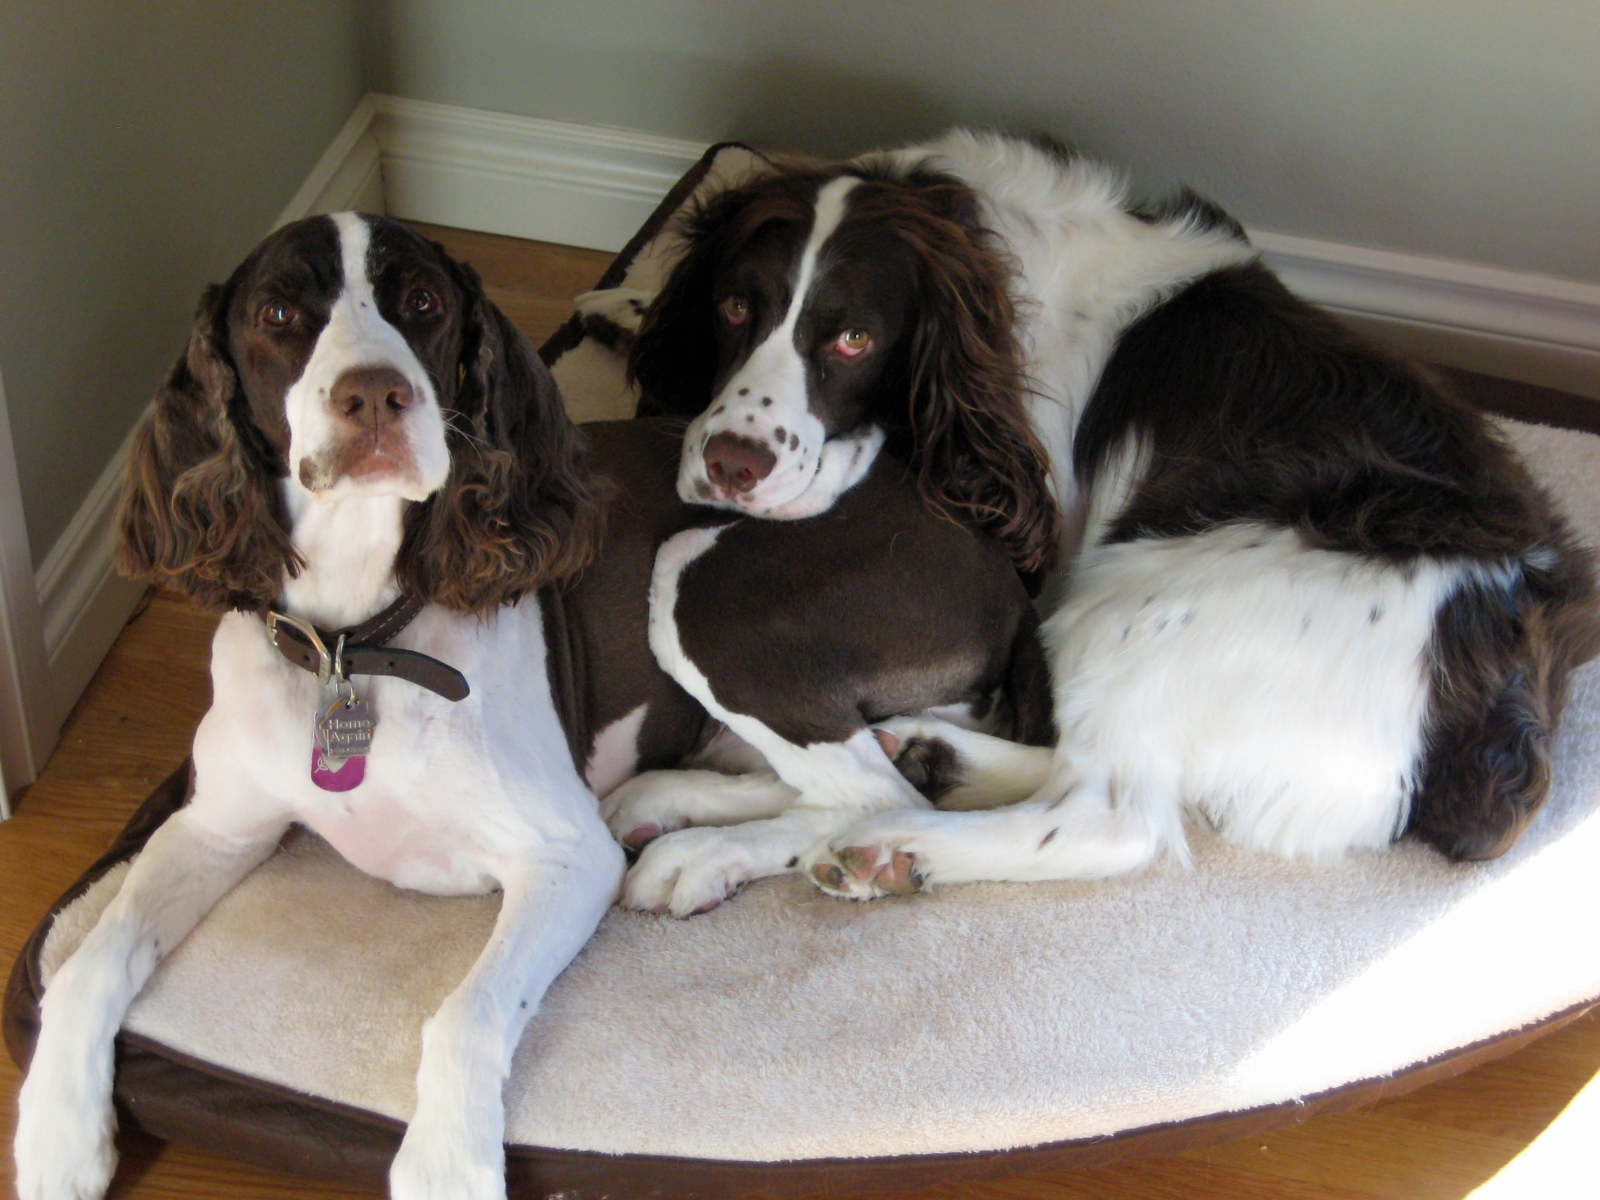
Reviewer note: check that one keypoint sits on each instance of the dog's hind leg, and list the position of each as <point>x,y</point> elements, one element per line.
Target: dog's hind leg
<point>694,870</point>
<point>554,895</point>
<point>834,784</point>
<point>65,1121</point>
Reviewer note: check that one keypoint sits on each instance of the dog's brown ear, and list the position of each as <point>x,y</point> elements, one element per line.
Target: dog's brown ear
<point>516,512</point>
<point>674,358</point>
<point>199,508</point>
<point>976,456</point>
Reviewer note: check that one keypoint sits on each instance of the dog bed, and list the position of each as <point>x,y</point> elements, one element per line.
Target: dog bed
<point>791,1044</point>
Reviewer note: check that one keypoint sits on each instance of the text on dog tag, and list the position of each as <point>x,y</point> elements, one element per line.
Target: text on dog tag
<point>344,728</point>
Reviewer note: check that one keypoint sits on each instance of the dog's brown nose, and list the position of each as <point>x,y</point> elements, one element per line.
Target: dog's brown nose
<point>737,463</point>
<point>370,396</point>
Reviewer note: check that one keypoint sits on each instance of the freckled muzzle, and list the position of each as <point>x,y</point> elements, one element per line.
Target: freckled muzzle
<point>740,457</point>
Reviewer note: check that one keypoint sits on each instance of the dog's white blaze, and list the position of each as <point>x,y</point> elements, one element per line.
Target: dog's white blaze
<point>357,335</point>
<point>810,472</point>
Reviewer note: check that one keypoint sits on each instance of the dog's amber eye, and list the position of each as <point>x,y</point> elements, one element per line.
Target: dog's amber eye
<point>421,302</point>
<point>853,342</point>
<point>735,309</point>
<point>278,314</point>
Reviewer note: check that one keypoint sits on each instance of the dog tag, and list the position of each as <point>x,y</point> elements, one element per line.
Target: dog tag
<point>344,728</point>
<point>343,738</point>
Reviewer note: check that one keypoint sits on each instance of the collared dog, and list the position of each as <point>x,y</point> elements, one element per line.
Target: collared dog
<point>436,649</point>
<point>1302,593</point>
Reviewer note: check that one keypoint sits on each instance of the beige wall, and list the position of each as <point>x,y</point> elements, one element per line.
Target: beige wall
<point>1463,128</point>
<point>144,147</point>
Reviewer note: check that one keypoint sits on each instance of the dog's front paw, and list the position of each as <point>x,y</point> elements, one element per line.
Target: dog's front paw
<point>876,857</point>
<point>64,1144</point>
<point>450,1152</point>
<point>688,872</point>
<point>453,1148</point>
<point>433,1167</point>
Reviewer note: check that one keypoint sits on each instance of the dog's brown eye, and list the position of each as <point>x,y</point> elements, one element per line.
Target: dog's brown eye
<point>853,342</point>
<point>278,314</point>
<point>735,309</point>
<point>421,302</point>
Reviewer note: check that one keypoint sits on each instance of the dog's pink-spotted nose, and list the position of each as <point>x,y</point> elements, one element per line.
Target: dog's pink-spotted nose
<point>737,464</point>
<point>371,396</point>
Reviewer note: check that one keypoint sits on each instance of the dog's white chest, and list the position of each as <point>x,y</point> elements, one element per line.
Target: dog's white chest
<point>385,838</point>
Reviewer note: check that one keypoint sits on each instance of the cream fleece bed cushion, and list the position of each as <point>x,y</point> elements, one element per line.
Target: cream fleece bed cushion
<point>788,1026</point>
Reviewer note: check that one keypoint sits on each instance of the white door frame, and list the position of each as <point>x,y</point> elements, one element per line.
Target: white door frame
<point>27,731</point>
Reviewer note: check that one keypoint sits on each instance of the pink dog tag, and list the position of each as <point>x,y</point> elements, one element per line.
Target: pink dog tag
<point>341,739</point>
<point>350,772</point>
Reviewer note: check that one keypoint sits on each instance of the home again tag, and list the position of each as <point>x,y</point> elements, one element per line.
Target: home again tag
<point>343,737</point>
<point>344,729</point>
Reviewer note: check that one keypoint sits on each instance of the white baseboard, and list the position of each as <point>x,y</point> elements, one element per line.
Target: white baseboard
<point>83,602</point>
<point>1531,327</point>
<point>553,181</point>
<point>349,175</point>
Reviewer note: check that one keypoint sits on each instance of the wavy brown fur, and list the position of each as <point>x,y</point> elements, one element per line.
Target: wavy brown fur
<point>517,511</point>
<point>199,508</point>
<point>973,448</point>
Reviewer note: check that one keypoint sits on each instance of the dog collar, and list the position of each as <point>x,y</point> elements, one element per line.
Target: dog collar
<point>361,650</point>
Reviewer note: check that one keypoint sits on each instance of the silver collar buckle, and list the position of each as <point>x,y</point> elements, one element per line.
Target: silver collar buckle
<point>308,631</point>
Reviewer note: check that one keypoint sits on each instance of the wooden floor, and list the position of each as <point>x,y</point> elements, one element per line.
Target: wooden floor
<point>134,724</point>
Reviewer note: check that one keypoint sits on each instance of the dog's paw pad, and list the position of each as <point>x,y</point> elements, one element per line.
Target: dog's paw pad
<point>866,872</point>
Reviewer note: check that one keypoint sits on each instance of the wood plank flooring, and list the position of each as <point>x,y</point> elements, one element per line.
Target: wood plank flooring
<point>134,725</point>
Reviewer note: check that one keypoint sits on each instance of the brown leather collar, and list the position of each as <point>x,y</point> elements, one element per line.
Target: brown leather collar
<point>360,650</point>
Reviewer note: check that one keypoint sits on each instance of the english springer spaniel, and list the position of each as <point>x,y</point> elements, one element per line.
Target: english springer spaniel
<point>898,339</point>
<point>1302,593</point>
<point>436,649</point>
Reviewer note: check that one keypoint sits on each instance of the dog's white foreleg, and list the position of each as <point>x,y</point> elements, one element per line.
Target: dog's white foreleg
<point>553,898</point>
<point>694,870</point>
<point>65,1121</point>
<point>659,802</point>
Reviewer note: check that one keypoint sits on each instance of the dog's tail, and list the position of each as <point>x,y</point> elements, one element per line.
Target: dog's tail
<point>1501,654</point>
